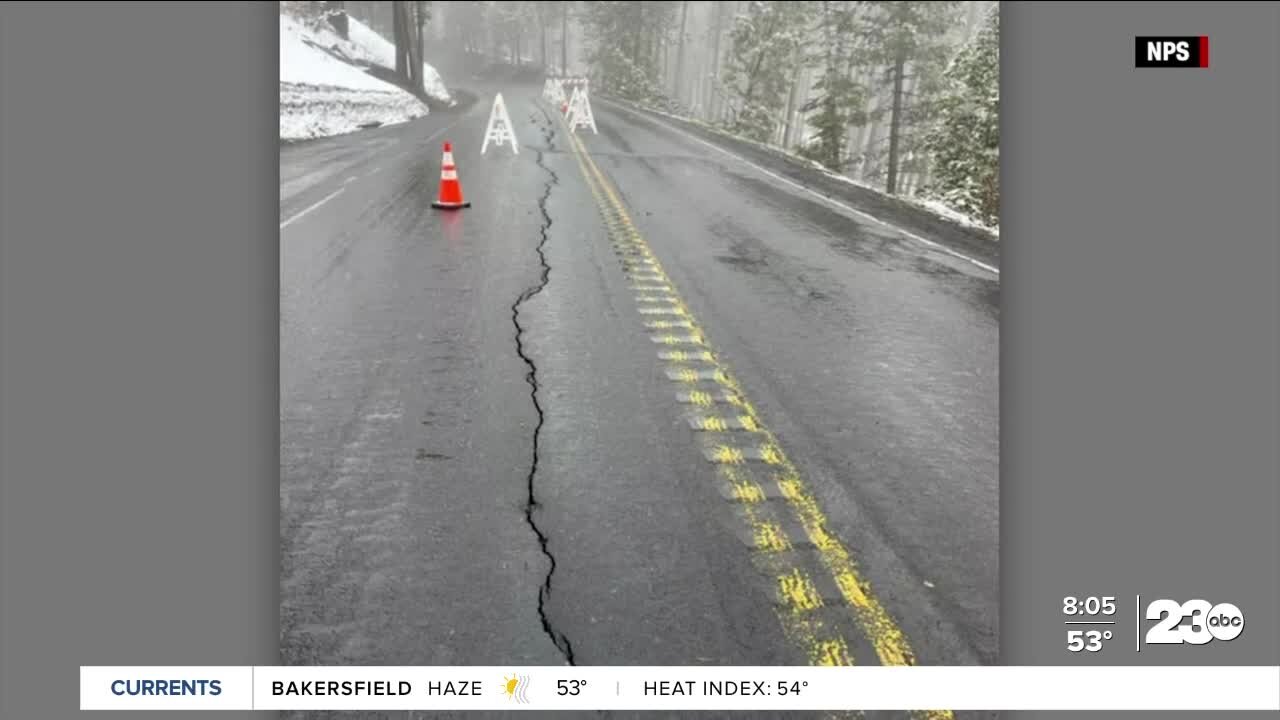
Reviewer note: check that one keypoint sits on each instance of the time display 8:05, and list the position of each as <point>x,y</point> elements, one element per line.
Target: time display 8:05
<point>1089,606</point>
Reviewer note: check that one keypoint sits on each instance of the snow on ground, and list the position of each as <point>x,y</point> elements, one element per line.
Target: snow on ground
<point>302,62</point>
<point>954,215</point>
<point>308,111</point>
<point>376,49</point>
<point>937,208</point>
<point>321,95</point>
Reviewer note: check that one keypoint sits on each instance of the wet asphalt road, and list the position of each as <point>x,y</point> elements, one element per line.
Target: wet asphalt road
<point>469,398</point>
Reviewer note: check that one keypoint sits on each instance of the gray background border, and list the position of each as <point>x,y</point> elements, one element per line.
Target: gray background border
<point>138,213</point>
<point>138,332</point>
<point>1139,325</point>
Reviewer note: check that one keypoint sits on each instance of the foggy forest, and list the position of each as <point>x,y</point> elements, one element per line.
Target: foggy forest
<point>900,96</point>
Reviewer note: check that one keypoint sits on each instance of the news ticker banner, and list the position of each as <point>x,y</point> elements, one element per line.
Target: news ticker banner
<point>680,688</point>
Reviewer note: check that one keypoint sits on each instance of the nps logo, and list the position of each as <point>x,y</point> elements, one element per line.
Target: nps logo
<point>1170,51</point>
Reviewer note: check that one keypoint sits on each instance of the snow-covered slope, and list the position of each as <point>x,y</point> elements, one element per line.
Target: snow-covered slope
<point>322,95</point>
<point>378,50</point>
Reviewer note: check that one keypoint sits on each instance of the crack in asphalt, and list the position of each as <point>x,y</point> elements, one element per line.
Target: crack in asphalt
<point>544,593</point>
<point>548,132</point>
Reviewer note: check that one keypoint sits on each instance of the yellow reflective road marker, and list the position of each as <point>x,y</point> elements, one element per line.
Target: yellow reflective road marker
<point>721,423</point>
<point>704,398</point>
<point>691,339</point>
<point>770,538</point>
<point>798,591</point>
<point>676,311</point>
<point>727,455</point>
<point>684,356</point>
<point>669,325</point>
<point>686,374</point>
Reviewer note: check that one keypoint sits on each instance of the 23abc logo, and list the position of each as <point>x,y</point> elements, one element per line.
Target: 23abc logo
<point>1206,622</point>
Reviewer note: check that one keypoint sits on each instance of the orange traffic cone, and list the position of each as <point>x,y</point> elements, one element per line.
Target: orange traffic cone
<point>450,188</point>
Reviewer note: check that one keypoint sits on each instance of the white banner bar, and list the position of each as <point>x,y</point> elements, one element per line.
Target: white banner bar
<point>680,688</point>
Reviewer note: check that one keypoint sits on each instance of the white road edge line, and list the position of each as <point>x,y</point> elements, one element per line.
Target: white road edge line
<point>322,201</point>
<point>338,192</point>
<point>441,131</point>
<point>905,233</point>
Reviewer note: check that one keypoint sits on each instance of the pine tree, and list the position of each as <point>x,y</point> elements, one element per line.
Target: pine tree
<point>907,40</point>
<point>625,47</point>
<point>840,99</point>
<point>965,145</point>
<point>764,40</point>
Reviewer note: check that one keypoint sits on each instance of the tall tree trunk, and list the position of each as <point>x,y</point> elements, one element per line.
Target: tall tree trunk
<point>909,165</point>
<point>652,51</point>
<point>789,118</point>
<point>633,53</point>
<point>564,38</point>
<point>791,101</point>
<point>666,71</point>
<point>684,23</point>
<point>861,145</point>
<point>415,52</point>
<point>408,61</point>
<point>895,120</point>
<point>401,41</point>
<point>718,30</point>
<point>420,20</point>
<point>542,25</point>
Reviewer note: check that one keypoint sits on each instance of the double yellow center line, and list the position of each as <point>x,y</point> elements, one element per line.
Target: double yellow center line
<point>753,472</point>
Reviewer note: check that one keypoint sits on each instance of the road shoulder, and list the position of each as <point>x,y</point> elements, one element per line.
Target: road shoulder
<point>970,242</point>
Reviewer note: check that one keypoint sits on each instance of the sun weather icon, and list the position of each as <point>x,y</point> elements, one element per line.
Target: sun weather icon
<point>516,688</point>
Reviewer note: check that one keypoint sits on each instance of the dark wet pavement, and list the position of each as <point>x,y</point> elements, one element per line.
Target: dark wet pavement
<point>413,515</point>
